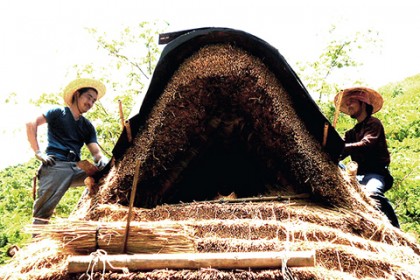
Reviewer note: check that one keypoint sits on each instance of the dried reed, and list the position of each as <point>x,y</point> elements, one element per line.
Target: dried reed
<point>144,237</point>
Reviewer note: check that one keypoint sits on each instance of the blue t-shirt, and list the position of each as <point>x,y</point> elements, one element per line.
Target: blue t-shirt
<point>66,134</point>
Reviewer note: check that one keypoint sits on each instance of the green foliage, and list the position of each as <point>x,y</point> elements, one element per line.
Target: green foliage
<point>48,99</point>
<point>401,120</point>
<point>339,55</point>
<point>10,99</point>
<point>15,204</point>
<point>132,57</point>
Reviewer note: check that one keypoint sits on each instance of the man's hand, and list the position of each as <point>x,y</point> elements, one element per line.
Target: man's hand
<point>45,159</point>
<point>102,162</point>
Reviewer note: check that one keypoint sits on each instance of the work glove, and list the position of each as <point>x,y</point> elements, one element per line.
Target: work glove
<point>45,159</point>
<point>102,162</point>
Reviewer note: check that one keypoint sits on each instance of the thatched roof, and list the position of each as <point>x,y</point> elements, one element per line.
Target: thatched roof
<point>225,113</point>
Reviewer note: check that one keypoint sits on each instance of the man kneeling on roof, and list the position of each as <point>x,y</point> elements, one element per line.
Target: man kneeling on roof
<point>68,131</point>
<point>365,143</point>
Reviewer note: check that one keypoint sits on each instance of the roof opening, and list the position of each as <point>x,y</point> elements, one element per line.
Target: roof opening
<point>223,165</point>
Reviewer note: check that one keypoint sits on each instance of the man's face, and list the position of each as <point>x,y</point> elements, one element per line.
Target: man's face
<point>87,100</point>
<point>354,107</point>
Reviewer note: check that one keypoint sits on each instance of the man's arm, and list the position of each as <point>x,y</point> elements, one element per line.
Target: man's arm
<point>32,131</point>
<point>369,140</point>
<point>32,134</point>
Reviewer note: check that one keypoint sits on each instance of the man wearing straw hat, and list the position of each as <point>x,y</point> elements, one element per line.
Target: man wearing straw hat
<point>365,143</point>
<point>68,131</point>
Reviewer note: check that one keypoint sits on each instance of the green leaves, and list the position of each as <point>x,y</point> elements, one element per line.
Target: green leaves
<point>402,126</point>
<point>15,203</point>
<point>339,56</point>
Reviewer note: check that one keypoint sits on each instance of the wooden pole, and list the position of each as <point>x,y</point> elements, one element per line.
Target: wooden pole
<point>121,114</point>
<point>252,199</point>
<point>128,129</point>
<point>324,139</point>
<point>130,209</point>
<point>34,186</point>
<point>237,260</point>
<point>337,108</point>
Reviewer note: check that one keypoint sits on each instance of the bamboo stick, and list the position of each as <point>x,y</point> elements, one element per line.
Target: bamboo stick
<point>34,186</point>
<point>253,199</point>
<point>130,209</point>
<point>324,139</point>
<point>237,260</point>
<point>337,108</point>
<point>121,114</point>
<point>128,129</point>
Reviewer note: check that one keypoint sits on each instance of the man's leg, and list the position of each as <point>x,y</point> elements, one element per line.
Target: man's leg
<point>54,181</point>
<point>375,186</point>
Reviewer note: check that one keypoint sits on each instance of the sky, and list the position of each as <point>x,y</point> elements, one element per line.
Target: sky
<point>41,40</point>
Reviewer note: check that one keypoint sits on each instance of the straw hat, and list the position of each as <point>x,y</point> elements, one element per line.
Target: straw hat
<point>77,84</point>
<point>364,94</point>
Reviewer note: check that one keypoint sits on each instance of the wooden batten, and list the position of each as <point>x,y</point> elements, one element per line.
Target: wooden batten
<point>128,130</point>
<point>146,262</point>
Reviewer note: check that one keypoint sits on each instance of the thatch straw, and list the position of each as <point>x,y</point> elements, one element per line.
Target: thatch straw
<point>144,237</point>
<point>39,260</point>
<point>360,224</point>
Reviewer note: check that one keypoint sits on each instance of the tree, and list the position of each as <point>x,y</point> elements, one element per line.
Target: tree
<point>402,124</point>
<point>322,76</point>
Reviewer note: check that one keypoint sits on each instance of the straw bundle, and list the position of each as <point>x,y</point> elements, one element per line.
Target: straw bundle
<point>144,237</point>
<point>147,238</point>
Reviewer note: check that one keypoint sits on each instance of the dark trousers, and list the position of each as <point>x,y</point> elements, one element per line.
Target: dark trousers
<point>54,181</point>
<point>375,186</point>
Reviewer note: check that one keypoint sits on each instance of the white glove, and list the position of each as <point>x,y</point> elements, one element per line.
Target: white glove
<point>102,162</point>
<point>46,159</point>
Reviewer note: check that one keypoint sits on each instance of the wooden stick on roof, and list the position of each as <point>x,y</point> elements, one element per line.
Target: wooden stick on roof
<point>130,209</point>
<point>227,260</point>
<point>337,108</point>
<point>121,114</point>
<point>324,138</point>
<point>128,130</point>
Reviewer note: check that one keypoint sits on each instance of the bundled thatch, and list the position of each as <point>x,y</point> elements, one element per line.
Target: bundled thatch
<point>115,237</point>
<point>224,122</point>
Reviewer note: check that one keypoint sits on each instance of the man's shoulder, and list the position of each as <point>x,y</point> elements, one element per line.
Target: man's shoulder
<point>54,111</point>
<point>374,120</point>
<point>55,108</point>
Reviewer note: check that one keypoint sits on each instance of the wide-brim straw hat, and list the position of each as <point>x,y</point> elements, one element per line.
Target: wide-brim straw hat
<point>77,84</point>
<point>364,94</point>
